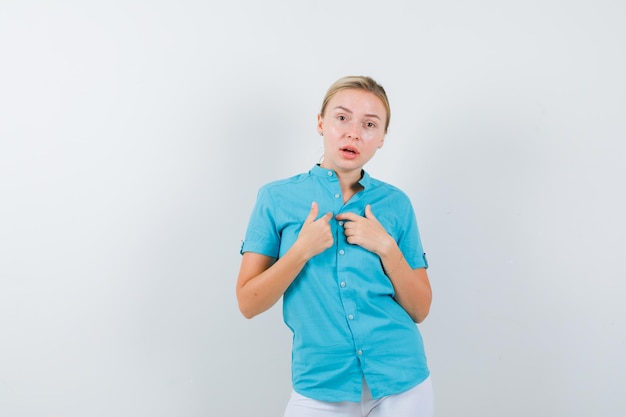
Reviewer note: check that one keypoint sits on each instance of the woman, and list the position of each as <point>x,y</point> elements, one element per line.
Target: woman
<point>353,279</point>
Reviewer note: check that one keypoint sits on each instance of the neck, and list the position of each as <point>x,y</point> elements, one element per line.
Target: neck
<point>349,179</point>
<point>349,183</point>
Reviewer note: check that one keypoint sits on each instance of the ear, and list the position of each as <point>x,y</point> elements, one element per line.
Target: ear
<point>382,142</point>
<point>320,125</point>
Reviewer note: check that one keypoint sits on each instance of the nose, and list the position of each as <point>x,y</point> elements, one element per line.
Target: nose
<point>354,131</point>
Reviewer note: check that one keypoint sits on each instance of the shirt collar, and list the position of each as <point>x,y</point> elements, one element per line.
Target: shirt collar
<point>318,171</point>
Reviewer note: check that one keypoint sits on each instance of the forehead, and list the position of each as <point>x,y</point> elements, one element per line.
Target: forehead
<point>358,100</point>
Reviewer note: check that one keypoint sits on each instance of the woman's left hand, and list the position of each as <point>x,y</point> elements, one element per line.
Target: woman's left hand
<point>366,232</point>
<point>412,288</point>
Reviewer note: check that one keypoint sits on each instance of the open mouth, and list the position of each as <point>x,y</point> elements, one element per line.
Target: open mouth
<point>349,151</point>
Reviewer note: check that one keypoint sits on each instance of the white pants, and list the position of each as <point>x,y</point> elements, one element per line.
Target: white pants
<point>416,402</point>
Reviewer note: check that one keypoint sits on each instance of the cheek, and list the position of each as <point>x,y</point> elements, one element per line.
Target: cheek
<point>373,137</point>
<point>333,131</point>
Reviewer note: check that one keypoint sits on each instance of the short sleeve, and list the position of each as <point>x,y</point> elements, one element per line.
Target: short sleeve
<point>262,235</point>
<point>410,242</point>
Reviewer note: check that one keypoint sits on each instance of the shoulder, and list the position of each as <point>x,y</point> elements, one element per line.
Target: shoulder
<point>286,181</point>
<point>284,186</point>
<point>391,190</point>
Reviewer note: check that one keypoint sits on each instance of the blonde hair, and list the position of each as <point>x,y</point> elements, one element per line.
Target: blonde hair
<point>359,82</point>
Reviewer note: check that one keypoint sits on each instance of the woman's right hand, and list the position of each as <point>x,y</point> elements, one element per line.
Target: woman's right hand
<point>263,280</point>
<point>315,236</point>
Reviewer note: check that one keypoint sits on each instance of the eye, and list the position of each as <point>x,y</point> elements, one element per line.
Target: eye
<point>341,117</point>
<point>370,124</point>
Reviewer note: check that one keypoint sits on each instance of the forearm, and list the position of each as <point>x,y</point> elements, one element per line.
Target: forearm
<point>257,294</point>
<point>412,288</point>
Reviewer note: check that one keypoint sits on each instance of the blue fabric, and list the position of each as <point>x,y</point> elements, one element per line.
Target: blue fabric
<point>345,322</point>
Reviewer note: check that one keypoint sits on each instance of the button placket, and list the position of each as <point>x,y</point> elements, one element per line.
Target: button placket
<point>347,294</point>
<point>341,252</point>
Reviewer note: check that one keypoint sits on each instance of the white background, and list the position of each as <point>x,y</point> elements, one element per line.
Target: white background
<point>135,134</point>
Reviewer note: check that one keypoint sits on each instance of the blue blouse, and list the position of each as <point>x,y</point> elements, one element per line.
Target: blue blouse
<point>341,309</point>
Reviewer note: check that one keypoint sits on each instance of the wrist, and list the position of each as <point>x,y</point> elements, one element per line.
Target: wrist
<point>388,249</point>
<point>392,259</point>
<point>300,252</point>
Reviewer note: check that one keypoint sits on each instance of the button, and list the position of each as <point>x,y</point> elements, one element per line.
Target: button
<point>351,317</point>
<point>337,195</point>
<point>343,285</point>
<point>340,222</point>
<point>359,352</point>
<point>341,252</point>
<point>330,174</point>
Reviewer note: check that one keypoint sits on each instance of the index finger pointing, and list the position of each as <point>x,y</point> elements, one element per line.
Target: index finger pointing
<point>347,216</point>
<point>326,217</point>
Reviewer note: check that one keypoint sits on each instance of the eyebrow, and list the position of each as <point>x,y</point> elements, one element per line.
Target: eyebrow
<point>350,111</point>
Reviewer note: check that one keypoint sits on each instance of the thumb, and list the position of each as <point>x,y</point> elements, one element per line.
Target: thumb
<point>369,214</point>
<point>312,214</point>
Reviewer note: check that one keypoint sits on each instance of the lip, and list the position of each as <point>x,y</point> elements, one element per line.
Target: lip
<point>349,152</point>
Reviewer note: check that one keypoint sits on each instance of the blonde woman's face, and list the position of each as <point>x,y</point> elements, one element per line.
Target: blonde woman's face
<point>353,127</point>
